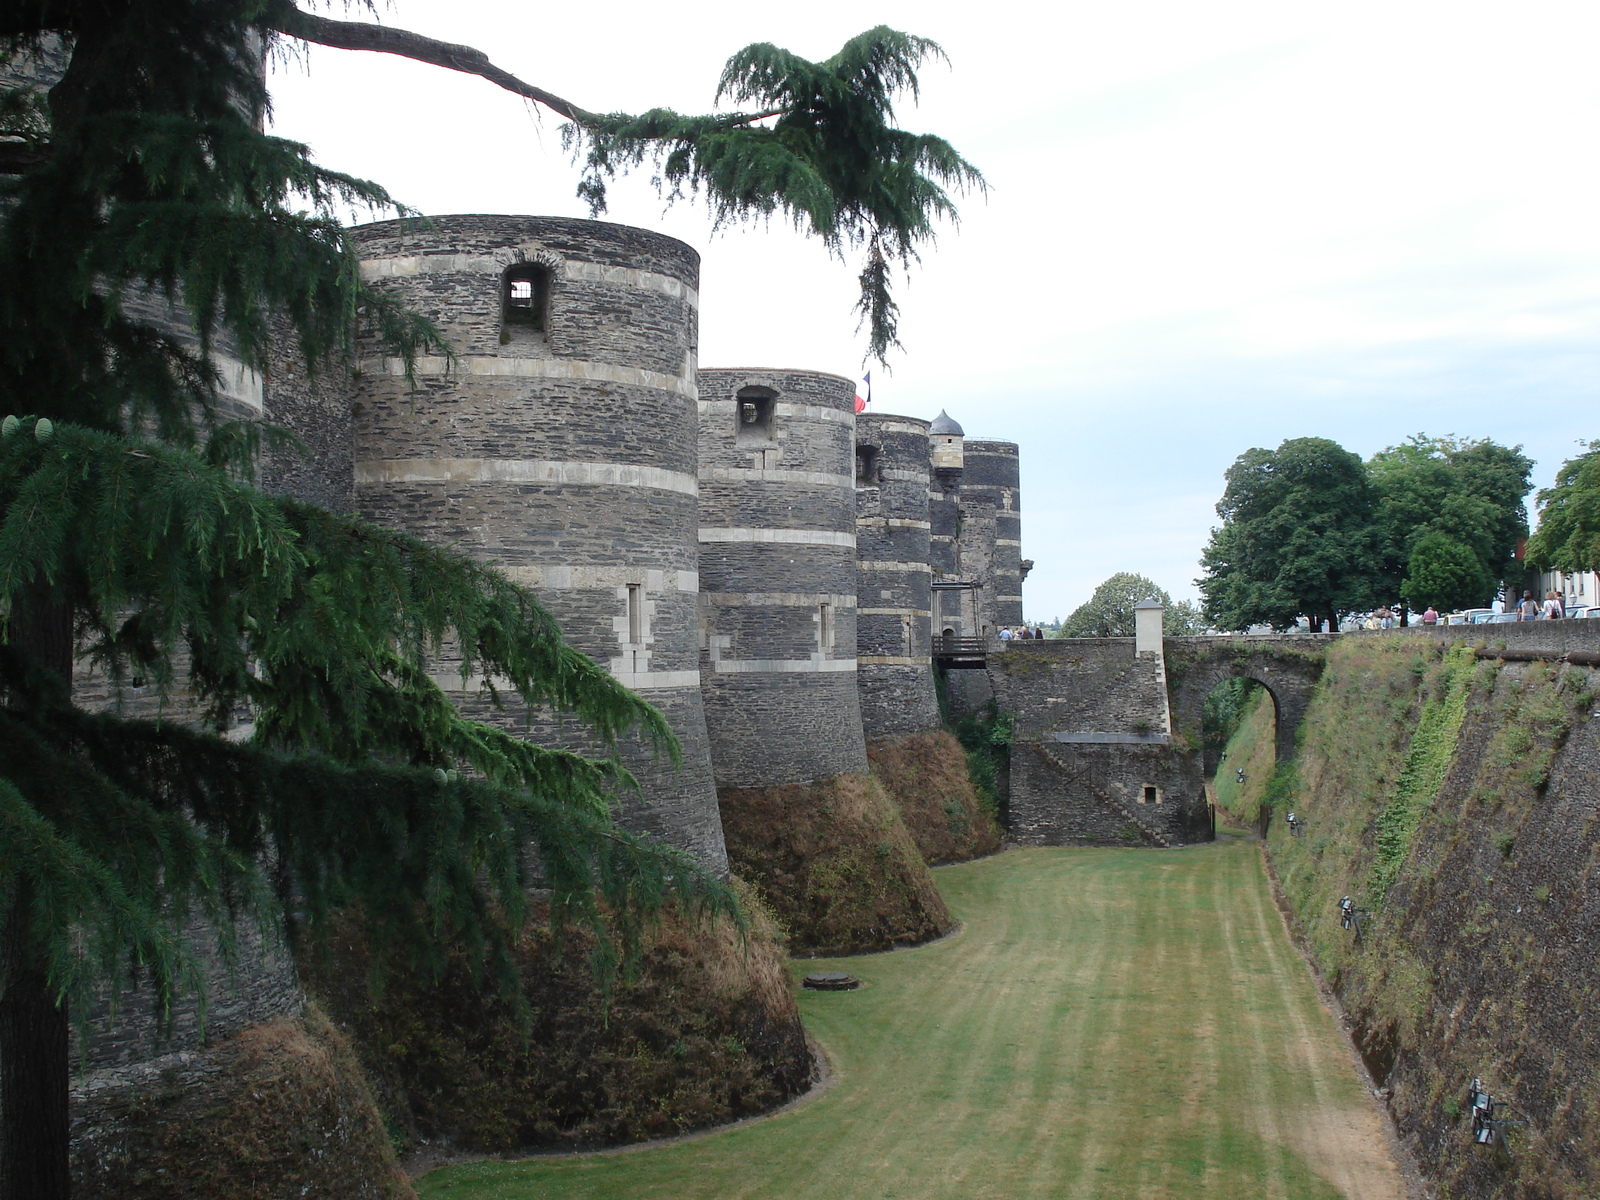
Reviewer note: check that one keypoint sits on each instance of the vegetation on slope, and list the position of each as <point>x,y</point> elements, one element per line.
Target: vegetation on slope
<point>704,1032</point>
<point>1251,745</point>
<point>1455,797</point>
<point>280,1109</point>
<point>835,862</point>
<point>927,777</point>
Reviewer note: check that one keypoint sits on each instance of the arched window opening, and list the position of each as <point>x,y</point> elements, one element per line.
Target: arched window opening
<point>525,301</point>
<point>756,407</point>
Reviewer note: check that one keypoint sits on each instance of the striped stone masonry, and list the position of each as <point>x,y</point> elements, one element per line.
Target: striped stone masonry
<point>894,614</point>
<point>777,574</point>
<point>561,446</point>
<point>990,543</point>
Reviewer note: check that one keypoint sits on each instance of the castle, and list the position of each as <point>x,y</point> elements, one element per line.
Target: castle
<point>736,544</point>
<point>764,565</point>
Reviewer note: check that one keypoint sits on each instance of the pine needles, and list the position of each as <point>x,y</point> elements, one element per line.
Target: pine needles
<point>352,787</point>
<point>830,160</point>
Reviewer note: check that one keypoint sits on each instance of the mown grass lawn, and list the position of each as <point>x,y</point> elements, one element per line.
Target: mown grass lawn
<point>1108,1023</point>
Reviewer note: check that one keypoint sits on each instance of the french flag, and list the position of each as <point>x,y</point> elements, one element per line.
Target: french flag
<point>864,393</point>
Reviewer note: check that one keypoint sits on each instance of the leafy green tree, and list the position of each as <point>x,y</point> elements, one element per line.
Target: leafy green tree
<point>1468,493</point>
<point>1109,612</point>
<point>129,529</point>
<point>1296,539</point>
<point>1568,538</point>
<point>1444,573</point>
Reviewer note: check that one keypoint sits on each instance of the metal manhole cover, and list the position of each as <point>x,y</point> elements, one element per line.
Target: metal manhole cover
<point>832,981</point>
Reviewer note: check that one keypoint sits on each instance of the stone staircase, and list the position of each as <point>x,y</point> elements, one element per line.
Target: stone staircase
<point>1151,833</point>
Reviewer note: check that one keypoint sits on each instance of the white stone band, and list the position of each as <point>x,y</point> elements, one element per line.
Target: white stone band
<point>781,666</point>
<point>892,523</point>
<point>772,475</point>
<point>783,537</point>
<point>239,382</point>
<point>909,567</point>
<point>777,599</point>
<point>640,681</point>
<point>653,681</point>
<point>558,577</point>
<point>893,612</point>
<point>892,660</point>
<point>492,365</point>
<point>523,470</point>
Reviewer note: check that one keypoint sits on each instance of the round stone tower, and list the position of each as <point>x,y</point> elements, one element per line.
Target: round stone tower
<point>893,589</point>
<point>777,576</point>
<point>561,446</point>
<point>991,529</point>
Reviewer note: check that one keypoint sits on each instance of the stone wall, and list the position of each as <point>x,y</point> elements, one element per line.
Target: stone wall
<point>1092,759</point>
<point>1479,958</point>
<point>990,546</point>
<point>777,534</point>
<point>894,620</point>
<point>564,451</point>
<point>1105,794</point>
<point>316,407</point>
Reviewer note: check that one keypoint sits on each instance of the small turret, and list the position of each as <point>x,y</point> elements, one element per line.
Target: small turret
<point>947,439</point>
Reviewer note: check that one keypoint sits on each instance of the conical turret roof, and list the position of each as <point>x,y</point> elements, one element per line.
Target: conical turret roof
<point>943,424</point>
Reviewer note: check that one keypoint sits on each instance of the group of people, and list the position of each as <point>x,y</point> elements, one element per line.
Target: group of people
<point>1020,634</point>
<point>1529,609</point>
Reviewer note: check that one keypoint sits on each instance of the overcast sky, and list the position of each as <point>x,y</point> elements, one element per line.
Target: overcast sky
<point>1209,227</point>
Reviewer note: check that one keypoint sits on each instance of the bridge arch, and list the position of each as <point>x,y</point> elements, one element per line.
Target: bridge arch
<point>1288,667</point>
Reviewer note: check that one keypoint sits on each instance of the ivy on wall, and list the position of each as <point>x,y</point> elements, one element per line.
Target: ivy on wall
<point>1433,746</point>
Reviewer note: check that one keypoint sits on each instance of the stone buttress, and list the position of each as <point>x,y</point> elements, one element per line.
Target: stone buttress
<point>894,598</point>
<point>562,448</point>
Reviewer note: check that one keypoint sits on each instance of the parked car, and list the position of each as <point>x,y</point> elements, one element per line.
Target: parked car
<point>1499,619</point>
<point>1480,616</point>
<point>1580,612</point>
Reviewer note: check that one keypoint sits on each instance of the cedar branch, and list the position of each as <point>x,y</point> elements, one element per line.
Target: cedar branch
<point>384,39</point>
<point>358,35</point>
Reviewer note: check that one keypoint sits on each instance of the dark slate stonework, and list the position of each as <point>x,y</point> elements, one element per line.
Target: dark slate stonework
<point>777,532</point>
<point>263,984</point>
<point>893,593</point>
<point>1099,790</point>
<point>317,408</point>
<point>944,527</point>
<point>1113,704</point>
<point>989,550</point>
<point>565,457</point>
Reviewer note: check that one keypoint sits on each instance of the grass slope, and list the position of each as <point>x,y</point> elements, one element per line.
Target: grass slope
<point>1107,1024</point>
<point>1253,746</point>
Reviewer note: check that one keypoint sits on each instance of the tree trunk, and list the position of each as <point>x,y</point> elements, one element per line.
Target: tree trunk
<point>35,1063</point>
<point>35,1131</point>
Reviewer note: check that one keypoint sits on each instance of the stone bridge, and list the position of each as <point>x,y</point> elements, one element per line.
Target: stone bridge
<point>1107,741</point>
<point>1287,666</point>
